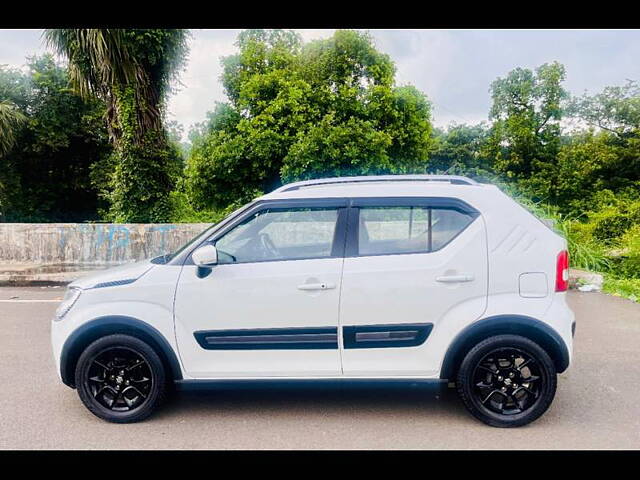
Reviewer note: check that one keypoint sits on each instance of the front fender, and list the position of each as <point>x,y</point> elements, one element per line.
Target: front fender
<point>110,324</point>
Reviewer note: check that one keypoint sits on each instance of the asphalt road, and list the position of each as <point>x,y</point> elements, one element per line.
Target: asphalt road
<point>597,404</point>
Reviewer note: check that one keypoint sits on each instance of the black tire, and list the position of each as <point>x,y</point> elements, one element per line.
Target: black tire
<point>125,371</point>
<point>500,387</point>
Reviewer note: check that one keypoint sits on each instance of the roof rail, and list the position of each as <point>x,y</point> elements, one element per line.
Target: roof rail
<point>453,179</point>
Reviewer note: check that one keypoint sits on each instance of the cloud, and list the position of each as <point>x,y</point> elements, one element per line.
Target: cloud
<point>426,59</point>
<point>16,45</point>
<point>201,86</point>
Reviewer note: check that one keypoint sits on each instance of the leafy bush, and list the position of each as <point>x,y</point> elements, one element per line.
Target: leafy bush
<point>584,251</point>
<point>627,259</point>
<point>611,223</point>
<point>182,211</point>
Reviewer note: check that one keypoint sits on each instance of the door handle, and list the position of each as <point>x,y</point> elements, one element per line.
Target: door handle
<point>466,277</point>
<point>317,286</point>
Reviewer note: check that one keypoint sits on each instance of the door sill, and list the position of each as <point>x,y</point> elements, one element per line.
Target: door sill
<point>321,382</point>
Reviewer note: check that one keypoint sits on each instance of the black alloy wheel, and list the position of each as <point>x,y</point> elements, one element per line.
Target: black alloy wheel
<point>507,381</point>
<point>120,378</point>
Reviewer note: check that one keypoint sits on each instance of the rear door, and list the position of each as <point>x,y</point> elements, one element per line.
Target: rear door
<point>409,262</point>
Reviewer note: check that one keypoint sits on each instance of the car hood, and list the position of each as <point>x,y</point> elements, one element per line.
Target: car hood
<point>121,274</point>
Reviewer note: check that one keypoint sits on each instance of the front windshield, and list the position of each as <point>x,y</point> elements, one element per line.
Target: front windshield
<point>163,259</point>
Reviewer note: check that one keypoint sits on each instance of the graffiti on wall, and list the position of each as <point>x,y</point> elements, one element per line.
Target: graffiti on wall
<point>91,243</point>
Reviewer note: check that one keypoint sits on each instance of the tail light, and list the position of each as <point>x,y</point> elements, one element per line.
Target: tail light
<point>562,271</point>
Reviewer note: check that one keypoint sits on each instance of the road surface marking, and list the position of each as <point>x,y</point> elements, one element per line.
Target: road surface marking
<point>31,301</point>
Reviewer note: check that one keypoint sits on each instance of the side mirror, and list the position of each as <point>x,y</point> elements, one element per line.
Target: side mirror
<point>205,256</point>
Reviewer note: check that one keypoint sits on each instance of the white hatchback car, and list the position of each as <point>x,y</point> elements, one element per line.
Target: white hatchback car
<point>414,277</point>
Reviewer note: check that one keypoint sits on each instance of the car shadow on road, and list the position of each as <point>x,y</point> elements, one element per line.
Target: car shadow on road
<point>320,399</point>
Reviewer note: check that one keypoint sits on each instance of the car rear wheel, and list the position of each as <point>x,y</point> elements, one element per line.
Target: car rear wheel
<point>120,379</point>
<point>507,381</point>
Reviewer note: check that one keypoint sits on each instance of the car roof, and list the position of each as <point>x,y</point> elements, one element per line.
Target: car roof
<point>377,186</point>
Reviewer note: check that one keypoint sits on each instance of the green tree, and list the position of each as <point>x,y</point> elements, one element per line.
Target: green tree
<point>132,71</point>
<point>616,109</point>
<point>328,107</point>
<point>460,149</point>
<point>615,114</point>
<point>10,121</point>
<point>526,112</point>
<point>45,176</point>
<point>14,88</point>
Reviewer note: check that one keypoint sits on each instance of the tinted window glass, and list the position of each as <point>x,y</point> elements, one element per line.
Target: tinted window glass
<point>390,230</point>
<point>385,230</point>
<point>445,225</point>
<point>280,235</point>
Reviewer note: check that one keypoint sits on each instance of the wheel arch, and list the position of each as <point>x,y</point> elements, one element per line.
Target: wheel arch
<point>528,327</point>
<point>108,325</point>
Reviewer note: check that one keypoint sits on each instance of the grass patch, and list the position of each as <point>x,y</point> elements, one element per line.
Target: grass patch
<point>623,287</point>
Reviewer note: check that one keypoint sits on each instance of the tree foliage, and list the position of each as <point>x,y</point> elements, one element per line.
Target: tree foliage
<point>526,114</point>
<point>10,121</point>
<point>460,149</point>
<point>616,109</point>
<point>131,70</point>
<point>46,173</point>
<point>295,110</point>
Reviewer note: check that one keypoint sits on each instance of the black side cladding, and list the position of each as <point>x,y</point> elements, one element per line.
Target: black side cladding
<point>386,336</point>
<point>269,339</point>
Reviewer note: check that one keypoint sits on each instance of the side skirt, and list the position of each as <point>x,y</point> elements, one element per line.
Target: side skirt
<point>308,383</point>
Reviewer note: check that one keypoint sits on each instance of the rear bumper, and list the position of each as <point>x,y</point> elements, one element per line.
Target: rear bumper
<point>562,319</point>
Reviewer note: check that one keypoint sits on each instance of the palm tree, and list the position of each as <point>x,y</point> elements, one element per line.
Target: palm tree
<point>132,71</point>
<point>10,119</point>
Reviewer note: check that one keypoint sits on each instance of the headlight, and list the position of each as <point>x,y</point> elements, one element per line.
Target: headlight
<point>70,298</point>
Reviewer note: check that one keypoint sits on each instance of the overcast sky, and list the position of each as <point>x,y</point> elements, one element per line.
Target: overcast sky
<point>453,67</point>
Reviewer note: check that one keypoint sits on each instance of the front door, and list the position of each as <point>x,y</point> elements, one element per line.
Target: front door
<point>270,306</point>
<point>410,263</point>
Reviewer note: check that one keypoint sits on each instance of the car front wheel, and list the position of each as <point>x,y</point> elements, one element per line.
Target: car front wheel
<point>120,378</point>
<point>507,381</point>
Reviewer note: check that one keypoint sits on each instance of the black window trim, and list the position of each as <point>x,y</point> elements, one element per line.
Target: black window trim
<point>347,223</point>
<point>438,203</point>
<point>339,239</point>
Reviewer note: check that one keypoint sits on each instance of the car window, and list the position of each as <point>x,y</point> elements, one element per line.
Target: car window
<point>385,230</point>
<point>280,234</point>
<point>392,230</point>
<point>445,225</point>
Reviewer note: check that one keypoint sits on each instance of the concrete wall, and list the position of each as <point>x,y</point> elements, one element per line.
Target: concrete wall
<point>90,243</point>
